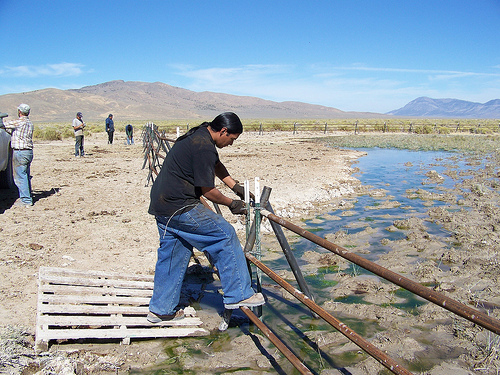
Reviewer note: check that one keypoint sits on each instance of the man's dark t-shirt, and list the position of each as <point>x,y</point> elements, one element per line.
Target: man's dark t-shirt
<point>189,165</point>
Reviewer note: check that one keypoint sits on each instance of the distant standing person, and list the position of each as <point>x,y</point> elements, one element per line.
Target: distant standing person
<point>110,128</point>
<point>78,126</point>
<point>129,131</point>
<point>21,141</point>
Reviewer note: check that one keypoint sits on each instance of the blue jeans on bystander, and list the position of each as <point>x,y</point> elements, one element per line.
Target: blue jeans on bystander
<point>21,162</point>
<point>79,145</point>
<point>205,230</point>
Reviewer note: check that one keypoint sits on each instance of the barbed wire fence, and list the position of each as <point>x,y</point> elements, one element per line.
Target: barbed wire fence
<point>359,126</point>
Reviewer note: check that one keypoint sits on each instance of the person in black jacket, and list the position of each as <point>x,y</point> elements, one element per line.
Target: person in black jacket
<point>129,132</point>
<point>110,128</point>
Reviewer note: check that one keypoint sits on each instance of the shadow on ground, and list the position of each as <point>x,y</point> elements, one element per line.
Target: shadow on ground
<point>9,196</point>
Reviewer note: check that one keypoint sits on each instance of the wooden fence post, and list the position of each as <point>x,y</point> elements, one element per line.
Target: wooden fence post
<point>325,127</point>
<point>356,127</point>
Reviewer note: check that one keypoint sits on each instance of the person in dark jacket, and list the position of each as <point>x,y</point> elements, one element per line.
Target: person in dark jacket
<point>110,128</point>
<point>129,132</point>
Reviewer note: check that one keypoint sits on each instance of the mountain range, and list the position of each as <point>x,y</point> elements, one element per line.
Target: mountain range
<point>434,108</point>
<point>159,101</point>
<point>146,101</point>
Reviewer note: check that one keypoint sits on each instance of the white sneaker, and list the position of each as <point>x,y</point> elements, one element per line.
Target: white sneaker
<point>256,300</point>
<point>20,203</point>
<point>155,318</point>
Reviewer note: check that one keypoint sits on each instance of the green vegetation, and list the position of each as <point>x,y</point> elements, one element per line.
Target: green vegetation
<point>55,131</point>
<point>419,142</point>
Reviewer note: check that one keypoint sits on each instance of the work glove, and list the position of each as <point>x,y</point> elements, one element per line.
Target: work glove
<point>238,207</point>
<point>239,190</point>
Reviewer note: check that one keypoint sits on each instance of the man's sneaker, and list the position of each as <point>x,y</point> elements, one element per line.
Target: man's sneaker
<point>20,203</point>
<point>256,300</point>
<point>155,318</point>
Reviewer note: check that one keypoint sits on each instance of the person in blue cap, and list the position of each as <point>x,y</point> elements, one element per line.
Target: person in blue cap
<point>78,126</point>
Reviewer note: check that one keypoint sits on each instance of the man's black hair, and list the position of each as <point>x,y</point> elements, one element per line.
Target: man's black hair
<point>228,120</point>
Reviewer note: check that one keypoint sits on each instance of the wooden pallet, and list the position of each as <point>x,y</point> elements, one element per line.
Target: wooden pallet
<point>101,305</point>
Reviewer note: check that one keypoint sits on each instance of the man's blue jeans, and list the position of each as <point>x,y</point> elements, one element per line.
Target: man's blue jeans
<point>21,161</point>
<point>205,230</point>
<point>79,145</point>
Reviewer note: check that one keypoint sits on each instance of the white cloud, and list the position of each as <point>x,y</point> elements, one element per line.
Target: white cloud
<point>434,73</point>
<point>53,70</point>
<point>218,78</point>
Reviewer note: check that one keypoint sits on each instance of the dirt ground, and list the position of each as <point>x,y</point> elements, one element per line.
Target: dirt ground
<point>91,214</point>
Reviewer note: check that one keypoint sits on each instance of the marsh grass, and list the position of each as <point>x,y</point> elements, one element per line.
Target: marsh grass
<point>419,142</point>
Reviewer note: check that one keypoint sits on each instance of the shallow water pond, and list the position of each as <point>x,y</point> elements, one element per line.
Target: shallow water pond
<point>397,184</point>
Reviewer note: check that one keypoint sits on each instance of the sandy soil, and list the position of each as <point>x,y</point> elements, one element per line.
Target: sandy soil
<point>91,214</point>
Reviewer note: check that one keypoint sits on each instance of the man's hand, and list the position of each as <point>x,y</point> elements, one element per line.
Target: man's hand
<point>239,190</point>
<point>238,207</point>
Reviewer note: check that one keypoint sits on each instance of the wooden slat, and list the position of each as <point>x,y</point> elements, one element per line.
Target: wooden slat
<point>75,304</point>
<point>84,281</point>
<point>67,289</point>
<point>67,334</point>
<point>88,309</point>
<point>81,299</point>
<point>92,320</point>
<point>66,272</point>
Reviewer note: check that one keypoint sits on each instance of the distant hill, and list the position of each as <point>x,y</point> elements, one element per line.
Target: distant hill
<point>434,108</point>
<point>159,101</point>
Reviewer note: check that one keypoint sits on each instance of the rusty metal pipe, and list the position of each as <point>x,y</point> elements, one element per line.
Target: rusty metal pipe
<point>455,307</point>
<point>292,262</point>
<point>297,363</point>
<point>372,350</point>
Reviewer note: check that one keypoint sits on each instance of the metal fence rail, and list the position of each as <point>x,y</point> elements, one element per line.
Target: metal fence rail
<point>437,298</point>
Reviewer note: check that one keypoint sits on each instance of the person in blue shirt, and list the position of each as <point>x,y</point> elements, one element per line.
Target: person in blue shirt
<point>110,128</point>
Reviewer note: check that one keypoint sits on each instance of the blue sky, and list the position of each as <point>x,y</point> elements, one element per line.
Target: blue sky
<point>352,55</point>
